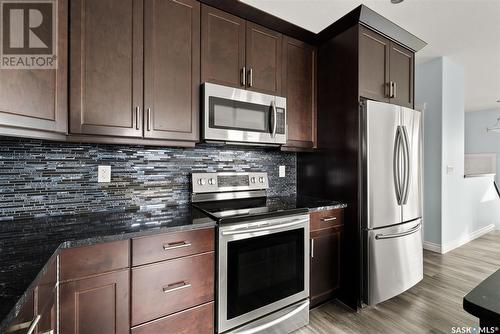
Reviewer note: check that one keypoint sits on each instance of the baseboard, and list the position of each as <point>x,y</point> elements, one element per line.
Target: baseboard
<point>442,249</point>
<point>476,234</point>
<point>430,246</point>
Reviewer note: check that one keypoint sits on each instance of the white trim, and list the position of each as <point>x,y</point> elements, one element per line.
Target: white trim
<point>430,246</point>
<point>442,249</point>
<point>476,234</point>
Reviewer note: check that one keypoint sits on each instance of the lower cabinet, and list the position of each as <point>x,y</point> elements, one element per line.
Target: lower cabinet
<point>325,260</point>
<point>98,304</point>
<point>197,320</point>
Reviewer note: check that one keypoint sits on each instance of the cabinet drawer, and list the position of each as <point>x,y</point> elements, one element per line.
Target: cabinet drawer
<point>79,262</point>
<point>164,288</point>
<point>196,320</point>
<point>326,219</point>
<point>171,245</point>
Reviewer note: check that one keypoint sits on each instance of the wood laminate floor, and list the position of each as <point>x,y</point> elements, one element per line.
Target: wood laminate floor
<point>432,306</point>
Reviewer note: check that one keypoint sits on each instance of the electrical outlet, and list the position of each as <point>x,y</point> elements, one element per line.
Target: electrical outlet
<point>282,172</point>
<point>450,170</point>
<point>103,174</point>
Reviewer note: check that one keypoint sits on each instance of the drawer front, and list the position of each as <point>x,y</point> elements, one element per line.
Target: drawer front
<point>84,261</point>
<point>326,219</point>
<point>196,320</point>
<point>171,245</point>
<point>164,288</point>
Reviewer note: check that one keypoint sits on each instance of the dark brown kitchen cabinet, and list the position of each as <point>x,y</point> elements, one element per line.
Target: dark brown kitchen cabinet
<point>172,69</point>
<point>239,53</point>
<point>98,304</point>
<point>33,103</point>
<point>106,54</point>
<point>326,239</point>
<point>222,48</point>
<point>263,59</point>
<point>299,87</point>
<point>385,69</point>
<point>374,75</point>
<point>401,74</point>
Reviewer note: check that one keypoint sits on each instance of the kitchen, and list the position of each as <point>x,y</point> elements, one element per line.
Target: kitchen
<point>207,167</point>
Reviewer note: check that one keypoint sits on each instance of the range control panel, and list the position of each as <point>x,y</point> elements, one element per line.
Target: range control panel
<point>228,181</point>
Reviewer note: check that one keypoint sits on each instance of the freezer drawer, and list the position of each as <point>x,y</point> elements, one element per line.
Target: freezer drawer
<point>393,261</point>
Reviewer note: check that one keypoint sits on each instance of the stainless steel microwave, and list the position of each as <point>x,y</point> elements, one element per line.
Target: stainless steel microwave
<point>232,115</point>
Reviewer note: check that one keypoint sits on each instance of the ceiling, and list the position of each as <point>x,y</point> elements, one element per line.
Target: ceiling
<point>465,31</point>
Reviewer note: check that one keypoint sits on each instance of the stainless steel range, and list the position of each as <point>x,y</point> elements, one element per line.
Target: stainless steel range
<point>263,254</point>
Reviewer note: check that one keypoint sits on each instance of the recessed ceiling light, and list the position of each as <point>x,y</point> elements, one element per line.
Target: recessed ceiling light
<point>396,1</point>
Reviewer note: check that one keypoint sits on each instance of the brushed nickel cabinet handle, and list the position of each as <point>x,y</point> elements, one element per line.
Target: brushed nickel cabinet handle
<point>312,248</point>
<point>176,287</point>
<point>329,219</point>
<point>250,77</point>
<point>137,112</point>
<point>244,76</point>
<point>176,245</point>
<point>148,120</point>
<point>33,324</point>
<point>394,90</point>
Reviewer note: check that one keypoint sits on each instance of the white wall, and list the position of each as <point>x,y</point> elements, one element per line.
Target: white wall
<point>455,209</point>
<point>428,92</point>
<point>477,140</point>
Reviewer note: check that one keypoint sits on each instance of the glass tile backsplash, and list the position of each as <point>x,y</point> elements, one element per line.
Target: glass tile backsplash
<point>42,178</point>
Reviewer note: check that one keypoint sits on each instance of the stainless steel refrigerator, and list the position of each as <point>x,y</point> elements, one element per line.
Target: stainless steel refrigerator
<point>391,173</point>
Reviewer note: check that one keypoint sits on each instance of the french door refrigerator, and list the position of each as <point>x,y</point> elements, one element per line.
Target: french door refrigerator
<point>391,173</point>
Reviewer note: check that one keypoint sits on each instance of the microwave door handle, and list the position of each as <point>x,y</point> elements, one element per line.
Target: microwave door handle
<point>273,106</point>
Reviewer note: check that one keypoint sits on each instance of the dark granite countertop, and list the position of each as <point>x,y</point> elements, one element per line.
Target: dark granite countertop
<point>27,245</point>
<point>484,300</point>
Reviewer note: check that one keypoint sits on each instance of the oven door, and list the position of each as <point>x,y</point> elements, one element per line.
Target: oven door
<point>263,267</point>
<point>238,115</point>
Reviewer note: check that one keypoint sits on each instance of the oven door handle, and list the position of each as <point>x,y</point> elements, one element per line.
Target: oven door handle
<point>267,228</point>
<point>261,328</point>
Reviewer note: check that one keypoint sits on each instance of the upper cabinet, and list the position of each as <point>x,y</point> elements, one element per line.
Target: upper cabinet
<point>299,87</point>
<point>222,48</point>
<point>385,69</point>
<point>263,58</point>
<point>33,102</point>
<point>401,74</point>
<point>108,69</point>
<point>238,53</point>
<point>172,69</point>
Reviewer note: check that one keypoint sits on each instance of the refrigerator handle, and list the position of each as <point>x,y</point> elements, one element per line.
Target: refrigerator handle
<point>396,165</point>
<point>406,164</point>
<point>397,235</point>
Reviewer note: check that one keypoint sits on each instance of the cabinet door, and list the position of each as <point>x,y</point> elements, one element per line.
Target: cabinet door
<point>37,99</point>
<point>299,88</point>
<point>172,69</point>
<point>325,264</point>
<point>98,304</point>
<point>263,58</point>
<point>401,74</point>
<point>222,47</point>
<point>106,67</point>
<point>373,65</point>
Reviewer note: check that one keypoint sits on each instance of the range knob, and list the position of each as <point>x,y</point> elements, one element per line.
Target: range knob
<point>211,181</point>
<point>252,179</point>
<point>202,182</point>
<point>261,179</point>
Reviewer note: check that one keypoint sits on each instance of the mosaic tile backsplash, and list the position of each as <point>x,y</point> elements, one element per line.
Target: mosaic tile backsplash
<point>41,178</point>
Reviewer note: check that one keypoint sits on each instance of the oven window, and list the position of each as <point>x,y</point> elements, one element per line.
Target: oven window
<point>237,115</point>
<point>263,270</point>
